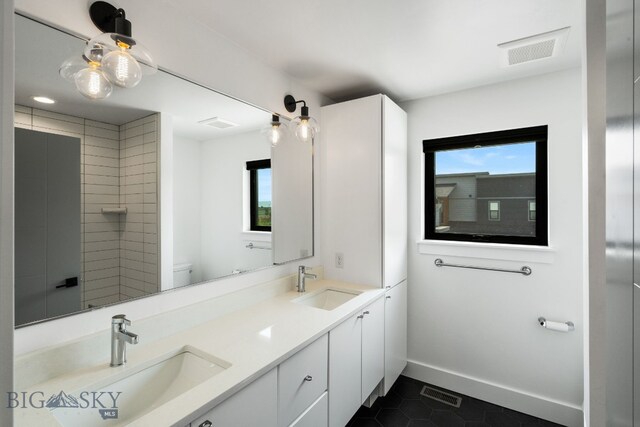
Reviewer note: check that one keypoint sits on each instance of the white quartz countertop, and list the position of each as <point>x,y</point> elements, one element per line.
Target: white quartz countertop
<point>253,340</point>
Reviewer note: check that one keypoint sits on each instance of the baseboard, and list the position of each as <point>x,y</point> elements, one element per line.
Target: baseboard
<point>551,410</point>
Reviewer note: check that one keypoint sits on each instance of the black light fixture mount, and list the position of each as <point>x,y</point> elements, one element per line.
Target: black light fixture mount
<point>291,104</point>
<point>109,19</point>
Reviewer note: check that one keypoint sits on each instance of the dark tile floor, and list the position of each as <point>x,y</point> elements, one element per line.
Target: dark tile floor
<point>403,406</point>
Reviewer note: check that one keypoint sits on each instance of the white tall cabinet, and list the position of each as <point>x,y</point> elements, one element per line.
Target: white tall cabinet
<point>364,189</point>
<point>364,210</point>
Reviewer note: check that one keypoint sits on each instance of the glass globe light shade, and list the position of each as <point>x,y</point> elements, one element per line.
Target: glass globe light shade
<point>109,42</point>
<point>121,68</point>
<point>306,128</point>
<point>70,67</point>
<point>275,132</point>
<point>92,83</point>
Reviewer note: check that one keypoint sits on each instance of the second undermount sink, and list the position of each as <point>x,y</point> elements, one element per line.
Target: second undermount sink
<point>142,389</point>
<point>327,299</point>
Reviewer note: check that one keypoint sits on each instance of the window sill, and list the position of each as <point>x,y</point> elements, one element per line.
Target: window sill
<point>257,236</point>
<point>496,251</point>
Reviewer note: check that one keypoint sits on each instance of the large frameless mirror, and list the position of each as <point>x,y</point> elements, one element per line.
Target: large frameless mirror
<point>160,186</point>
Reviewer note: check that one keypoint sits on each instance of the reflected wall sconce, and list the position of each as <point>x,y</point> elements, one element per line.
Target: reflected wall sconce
<point>275,131</point>
<point>112,58</point>
<point>305,127</point>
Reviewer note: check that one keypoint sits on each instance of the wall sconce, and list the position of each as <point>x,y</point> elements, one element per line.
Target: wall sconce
<point>305,126</point>
<point>112,58</point>
<point>275,131</point>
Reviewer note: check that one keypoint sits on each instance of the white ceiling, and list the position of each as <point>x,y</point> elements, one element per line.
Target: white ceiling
<point>405,48</point>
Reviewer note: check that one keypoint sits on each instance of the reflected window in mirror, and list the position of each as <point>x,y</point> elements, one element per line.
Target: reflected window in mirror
<point>260,197</point>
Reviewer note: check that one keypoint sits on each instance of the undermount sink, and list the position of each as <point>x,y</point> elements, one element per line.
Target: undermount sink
<point>327,299</point>
<point>141,389</point>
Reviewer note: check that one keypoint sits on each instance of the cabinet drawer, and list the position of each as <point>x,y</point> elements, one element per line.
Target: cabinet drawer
<point>254,405</point>
<point>301,380</point>
<point>315,416</point>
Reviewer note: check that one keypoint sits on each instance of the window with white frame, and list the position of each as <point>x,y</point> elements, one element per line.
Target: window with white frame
<point>532,210</point>
<point>494,210</point>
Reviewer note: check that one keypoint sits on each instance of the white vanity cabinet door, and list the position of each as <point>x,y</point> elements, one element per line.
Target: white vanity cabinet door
<point>254,405</point>
<point>372,347</point>
<point>316,415</point>
<point>345,366</point>
<point>301,380</point>
<point>395,334</point>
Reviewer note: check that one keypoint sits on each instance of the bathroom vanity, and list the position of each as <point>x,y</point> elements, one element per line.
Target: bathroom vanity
<point>291,359</point>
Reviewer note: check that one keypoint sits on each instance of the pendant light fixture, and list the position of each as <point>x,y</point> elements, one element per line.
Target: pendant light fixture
<point>304,126</point>
<point>112,58</point>
<point>275,131</point>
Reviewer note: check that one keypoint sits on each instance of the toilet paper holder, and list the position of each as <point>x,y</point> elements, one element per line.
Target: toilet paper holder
<point>556,326</point>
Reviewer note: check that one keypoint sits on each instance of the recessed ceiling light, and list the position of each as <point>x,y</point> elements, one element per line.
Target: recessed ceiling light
<point>44,100</point>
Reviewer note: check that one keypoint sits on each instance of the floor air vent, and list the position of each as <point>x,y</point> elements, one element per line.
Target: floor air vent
<point>441,396</point>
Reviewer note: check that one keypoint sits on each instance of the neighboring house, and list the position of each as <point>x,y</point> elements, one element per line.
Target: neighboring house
<point>480,203</point>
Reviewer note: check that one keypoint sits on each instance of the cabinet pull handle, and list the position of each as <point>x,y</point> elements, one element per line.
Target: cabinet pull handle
<point>308,378</point>
<point>366,312</point>
<point>388,297</point>
<point>206,423</point>
<point>387,287</point>
<point>361,316</point>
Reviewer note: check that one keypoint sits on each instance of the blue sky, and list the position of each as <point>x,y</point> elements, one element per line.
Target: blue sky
<point>264,185</point>
<point>511,158</point>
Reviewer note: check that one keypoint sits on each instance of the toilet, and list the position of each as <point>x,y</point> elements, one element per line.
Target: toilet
<point>181,275</point>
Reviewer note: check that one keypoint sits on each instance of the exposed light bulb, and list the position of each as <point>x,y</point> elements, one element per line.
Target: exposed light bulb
<point>121,68</point>
<point>274,135</point>
<point>275,132</point>
<point>92,83</point>
<point>306,128</point>
<point>303,130</point>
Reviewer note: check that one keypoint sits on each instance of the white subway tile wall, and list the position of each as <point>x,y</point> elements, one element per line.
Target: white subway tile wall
<point>139,192</point>
<point>118,168</point>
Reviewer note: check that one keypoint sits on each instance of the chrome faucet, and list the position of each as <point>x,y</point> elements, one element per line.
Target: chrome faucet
<point>302,274</point>
<point>119,339</point>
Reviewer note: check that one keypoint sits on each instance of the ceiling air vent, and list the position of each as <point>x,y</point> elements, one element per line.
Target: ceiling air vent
<point>218,123</point>
<point>534,48</point>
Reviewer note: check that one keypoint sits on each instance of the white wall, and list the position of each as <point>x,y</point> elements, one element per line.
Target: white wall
<point>227,68</point>
<point>476,332</point>
<point>186,207</point>
<point>6,205</point>
<point>223,163</point>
